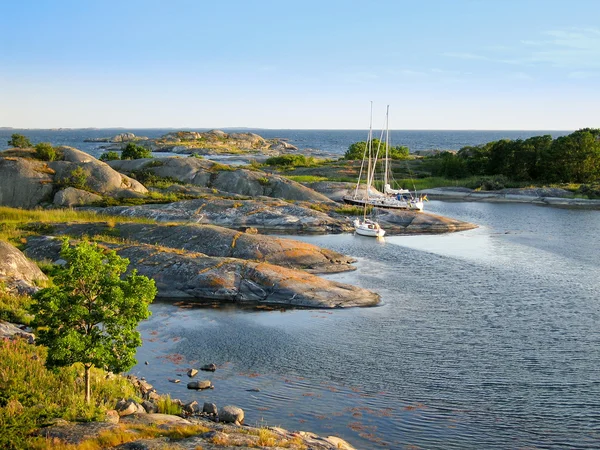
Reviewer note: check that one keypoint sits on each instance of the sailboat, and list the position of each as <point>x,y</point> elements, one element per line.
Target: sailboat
<point>368,227</point>
<point>389,198</point>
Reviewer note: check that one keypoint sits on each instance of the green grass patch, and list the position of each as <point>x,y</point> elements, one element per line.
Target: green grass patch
<point>14,307</point>
<point>352,210</point>
<point>305,178</point>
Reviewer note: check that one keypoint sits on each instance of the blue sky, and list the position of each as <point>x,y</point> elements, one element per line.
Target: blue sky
<point>462,64</point>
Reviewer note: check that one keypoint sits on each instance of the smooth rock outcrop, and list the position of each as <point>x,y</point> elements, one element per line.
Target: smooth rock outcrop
<point>219,241</point>
<point>71,196</point>
<point>270,215</point>
<point>206,173</point>
<point>100,177</point>
<point>186,275</point>
<point>27,183</point>
<point>16,271</point>
<point>24,183</point>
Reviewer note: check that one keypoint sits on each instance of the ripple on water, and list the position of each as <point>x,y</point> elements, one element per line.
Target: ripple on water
<point>484,339</point>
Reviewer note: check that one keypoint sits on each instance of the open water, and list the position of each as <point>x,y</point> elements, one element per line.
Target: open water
<point>484,339</point>
<point>330,141</point>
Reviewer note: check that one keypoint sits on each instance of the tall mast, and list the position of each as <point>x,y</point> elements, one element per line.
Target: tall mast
<point>370,151</point>
<point>387,145</point>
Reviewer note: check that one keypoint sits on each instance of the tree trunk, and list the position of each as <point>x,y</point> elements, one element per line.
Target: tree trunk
<point>87,383</point>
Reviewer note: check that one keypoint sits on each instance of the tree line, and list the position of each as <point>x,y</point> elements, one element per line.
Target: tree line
<point>574,158</point>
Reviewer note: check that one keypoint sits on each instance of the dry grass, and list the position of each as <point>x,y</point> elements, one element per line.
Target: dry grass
<point>121,435</point>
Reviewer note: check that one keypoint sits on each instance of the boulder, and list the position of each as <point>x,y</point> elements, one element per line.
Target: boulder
<point>192,407</point>
<point>24,183</point>
<point>127,407</point>
<point>209,367</point>
<point>16,271</point>
<point>210,408</point>
<point>150,407</point>
<point>200,385</point>
<point>71,196</point>
<point>112,416</point>
<point>11,331</point>
<point>192,373</point>
<point>231,414</point>
<point>100,177</point>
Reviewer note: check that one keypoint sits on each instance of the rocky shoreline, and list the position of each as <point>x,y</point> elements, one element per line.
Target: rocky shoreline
<point>539,196</point>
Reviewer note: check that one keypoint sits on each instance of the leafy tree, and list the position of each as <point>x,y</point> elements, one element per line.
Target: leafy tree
<point>19,141</point>
<point>357,150</point>
<point>91,314</point>
<point>135,151</point>
<point>109,156</point>
<point>45,151</point>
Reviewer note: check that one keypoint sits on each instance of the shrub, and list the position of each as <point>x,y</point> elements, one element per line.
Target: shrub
<point>19,141</point>
<point>166,406</point>
<point>45,151</point>
<point>357,150</point>
<point>134,151</point>
<point>109,156</point>
<point>13,307</point>
<point>264,181</point>
<point>77,178</point>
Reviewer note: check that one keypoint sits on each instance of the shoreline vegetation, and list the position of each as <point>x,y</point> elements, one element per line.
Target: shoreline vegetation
<point>199,228</point>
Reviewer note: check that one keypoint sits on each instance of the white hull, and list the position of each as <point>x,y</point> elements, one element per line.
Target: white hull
<point>368,228</point>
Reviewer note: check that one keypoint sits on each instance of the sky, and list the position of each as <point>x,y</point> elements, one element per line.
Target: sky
<point>300,64</point>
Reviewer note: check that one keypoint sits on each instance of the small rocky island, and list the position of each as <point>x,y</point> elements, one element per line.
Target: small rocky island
<point>203,143</point>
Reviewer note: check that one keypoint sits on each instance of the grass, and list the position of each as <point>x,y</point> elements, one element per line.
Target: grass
<point>122,435</point>
<point>31,395</point>
<point>306,178</point>
<point>16,225</point>
<point>167,406</point>
<point>352,210</point>
<point>13,307</point>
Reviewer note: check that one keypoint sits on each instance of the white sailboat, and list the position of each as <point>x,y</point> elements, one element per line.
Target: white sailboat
<point>389,198</point>
<point>368,227</point>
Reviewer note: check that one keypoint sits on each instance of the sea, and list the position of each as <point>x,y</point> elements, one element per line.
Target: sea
<point>327,141</point>
<point>486,338</point>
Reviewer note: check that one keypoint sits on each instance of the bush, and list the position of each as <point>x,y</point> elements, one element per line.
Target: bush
<point>291,161</point>
<point>264,181</point>
<point>134,151</point>
<point>77,179</point>
<point>45,151</point>
<point>109,156</point>
<point>19,141</point>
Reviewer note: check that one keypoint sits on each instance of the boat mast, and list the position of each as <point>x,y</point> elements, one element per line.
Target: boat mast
<point>387,146</point>
<point>369,151</point>
<point>362,164</point>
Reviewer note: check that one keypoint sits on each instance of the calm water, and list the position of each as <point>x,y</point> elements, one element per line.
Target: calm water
<point>332,141</point>
<point>485,339</point>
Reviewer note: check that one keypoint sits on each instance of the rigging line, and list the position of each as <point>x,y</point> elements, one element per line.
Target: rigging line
<point>364,153</point>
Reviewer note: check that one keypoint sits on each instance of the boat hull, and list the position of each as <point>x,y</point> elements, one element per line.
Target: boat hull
<point>386,203</point>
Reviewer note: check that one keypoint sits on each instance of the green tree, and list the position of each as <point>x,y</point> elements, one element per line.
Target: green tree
<point>91,314</point>
<point>19,141</point>
<point>45,151</point>
<point>109,156</point>
<point>134,151</point>
<point>357,150</point>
